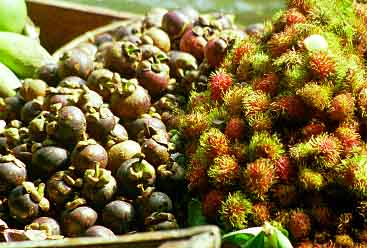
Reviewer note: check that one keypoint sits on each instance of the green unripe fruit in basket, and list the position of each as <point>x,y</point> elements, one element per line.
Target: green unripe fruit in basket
<point>13,15</point>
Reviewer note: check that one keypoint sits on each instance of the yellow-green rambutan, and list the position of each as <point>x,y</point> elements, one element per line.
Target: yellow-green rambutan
<point>193,124</point>
<point>344,241</point>
<point>341,107</point>
<point>255,102</point>
<point>285,195</point>
<point>267,83</point>
<point>322,66</point>
<point>253,65</point>
<point>354,174</point>
<point>299,224</point>
<point>279,43</point>
<point>260,213</point>
<point>316,96</point>
<point>258,177</point>
<point>260,122</point>
<point>233,98</point>
<point>265,145</point>
<point>235,128</point>
<point>310,180</point>
<point>289,107</point>
<point>235,211</point>
<point>349,138</point>
<point>211,203</point>
<point>224,171</point>
<point>214,143</point>
<point>302,5</point>
<point>219,83</point>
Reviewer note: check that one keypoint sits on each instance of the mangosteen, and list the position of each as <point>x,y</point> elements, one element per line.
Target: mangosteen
<point>193,42</point>
<point>103,82</point>
<point>99,231</point>
<point>75,62</point>
<point>48,73</point>
<point>48,160</point>
<point>72,82</point>
<point>159,221</point>
<point>181,63</point>
<point>174,23</point>
<point>89,99</point>
<point>160,38</point>
<point>215,51</point>
<point>100,122</point>
<point>119,216</point>
<point>30,110</point>
<point>130,100</point>
<point>135,177</point>
<point>76,221</point>
<point>121,152</point>
<point>26,201</point>
<point>12,173</point>
<point>47,224</point>
<point>87,154</point>
<point>117,135</point>
<point>32,89</point>
<point>156,153</point>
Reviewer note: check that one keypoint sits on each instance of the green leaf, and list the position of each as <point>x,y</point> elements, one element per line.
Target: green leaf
<point>241,237</point>
<point>195,213</point>
<point>256,242</point>
<point>283,241</point>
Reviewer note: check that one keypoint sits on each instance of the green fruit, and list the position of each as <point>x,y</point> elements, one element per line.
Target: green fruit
<point>8,82</point>
<point>21,54</point>
<point>13,15</point>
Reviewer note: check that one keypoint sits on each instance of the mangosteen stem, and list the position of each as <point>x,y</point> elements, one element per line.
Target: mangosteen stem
<point>97,170</point>
<point>41,189</point>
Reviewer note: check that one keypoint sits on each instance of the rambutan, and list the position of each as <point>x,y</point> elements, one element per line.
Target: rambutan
<point>240,50</point>
<point>313,128</point>
<point>355,174</point>
<point>239,151</point>
<point>316,96</point>
<point>291,107</point>
<point>235,128</point>
<point>219,83</point>
<point>260,213</point>
<point>328,149</point>
<point>285,195</point>
<point>258,177</point>
<point>349,138</point>
<point>293,16</point>
<point>302,5</point>
<point>253,64</point>
<point>224,171</point>
<point>285,170</point>
<point>279,43</point>
<point>265,145</point>
<point>214,143</point>
<point>196,176</point>
<point>362,102</point>
<point>260,122</point>
<point>299,224</point>
<point>321,65</point>
<point>255,102</point>
<point>341,107</point>
<point>344,223</point>
<point>193,124</point>
<point>344,240</point>
<point>233,98</point>
<point>235,210</point>
<point>268,83</point>
<point>211,203</point>
<point>310,180</point>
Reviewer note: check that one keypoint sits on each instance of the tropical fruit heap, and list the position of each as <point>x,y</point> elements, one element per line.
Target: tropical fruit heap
<point>280,134</point>
<point>86,143</point>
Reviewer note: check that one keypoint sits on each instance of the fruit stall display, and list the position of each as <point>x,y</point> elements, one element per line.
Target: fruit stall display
<point>181,119</point>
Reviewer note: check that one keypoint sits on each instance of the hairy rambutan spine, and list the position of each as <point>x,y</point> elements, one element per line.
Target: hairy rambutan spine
<point>349,138</point>
<point>258,177</point>
<point>344,240</point>
<point>355,174</point>
<point>285,195</point>
<point>310,180</point>
<point>260,122</point>
<point>299,224</point>
<point>224,171</point>
<point>291,107</point>
<point>235,210</point>
<point>235,128</point>
<point>314,128</point>
<point>341,107</point>
<point>196,176</point>
<point>322,66</point>
<point>260,213</point>
<point>255,102</point>
<point>234,97</point>
<point>253,65</point>
<point>316,96</point>
<point>265,145</point>
<point>268,83</point>
<point>279,43</point>
<point>293,16</point>
<point>193,124</point>
<point>214,143</point>
<point>211,203</point>
<point>285,170</point>
<point>362,102</point>
<point>219,83</point>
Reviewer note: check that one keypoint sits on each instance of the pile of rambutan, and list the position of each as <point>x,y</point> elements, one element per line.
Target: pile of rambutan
<point>280,135</point>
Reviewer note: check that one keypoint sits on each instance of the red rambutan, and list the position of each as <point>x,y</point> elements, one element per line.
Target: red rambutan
<point>240,51</point>
<point>219,83</point>
<point>299,224</point>
<point>349,138</point>
<point>267,84</point>
<point>328,148</point>
<point>260,213</point>
<point>342,107</point>
<point>258,177</point>
<point>196,176</point>
<point>224,171</point>
<point>321,65</point>
<point>212,202</point>
<point>289,106</point>
<point>293,16</point>
<point>313,129</point>
<point>284,169</point>
<point>235,128</point>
